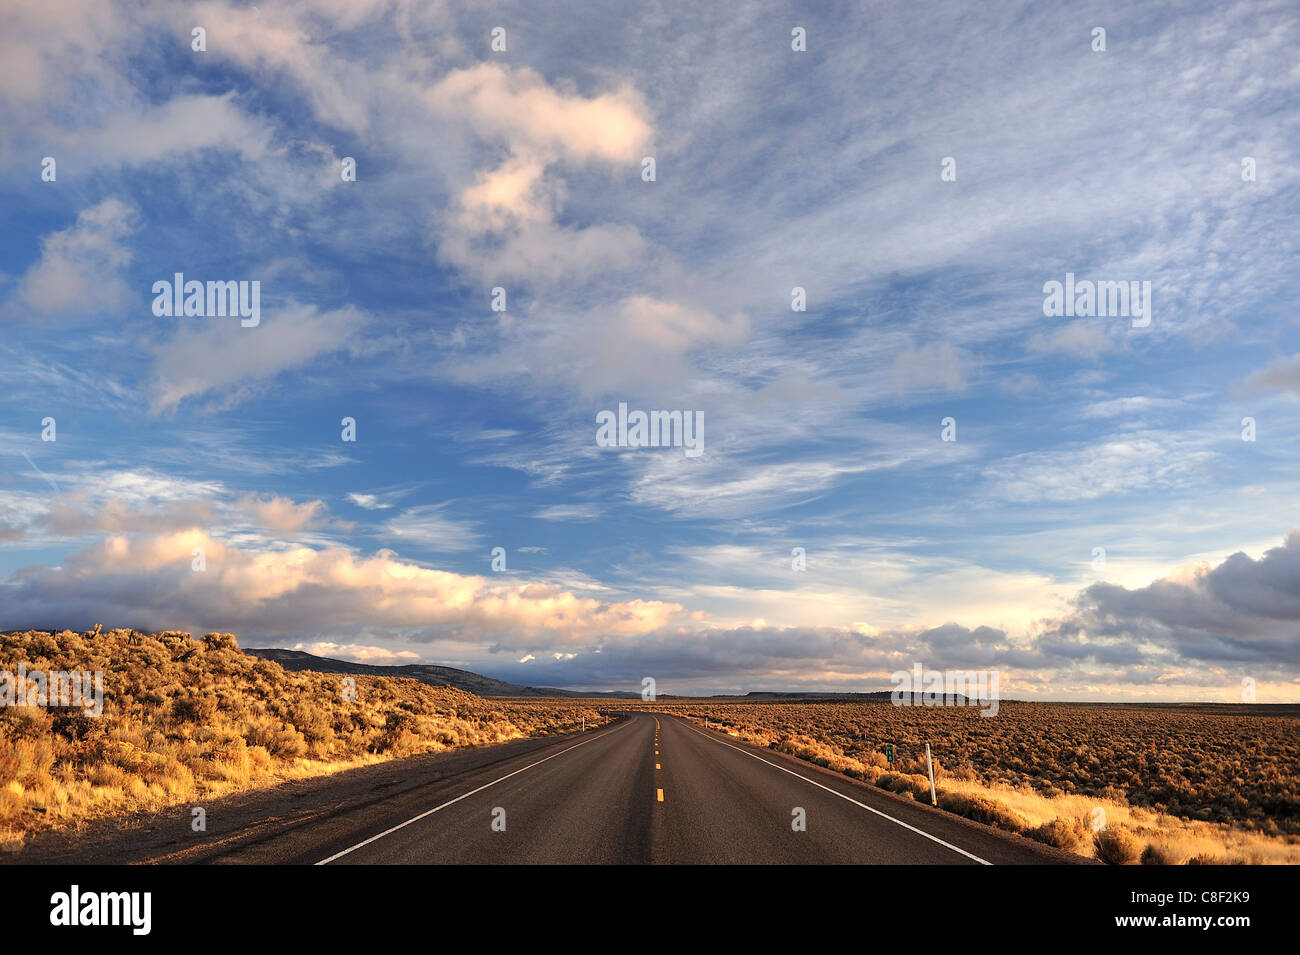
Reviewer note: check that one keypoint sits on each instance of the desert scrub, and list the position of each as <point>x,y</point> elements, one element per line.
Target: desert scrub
<point>1065,834</point>
<point>186,719</point>
<point>1117,846</point>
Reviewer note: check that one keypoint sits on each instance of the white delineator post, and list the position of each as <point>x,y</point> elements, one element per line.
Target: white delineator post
<point>929,765</point>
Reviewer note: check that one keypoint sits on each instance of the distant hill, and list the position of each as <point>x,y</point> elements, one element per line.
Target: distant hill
<point>950,699</point>
<point>428,673</point>
<point>778,695</point>
<point>480,685</point>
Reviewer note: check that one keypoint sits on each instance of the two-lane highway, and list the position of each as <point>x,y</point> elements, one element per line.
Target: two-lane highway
<point>647,789</point>
<point>655,789</point>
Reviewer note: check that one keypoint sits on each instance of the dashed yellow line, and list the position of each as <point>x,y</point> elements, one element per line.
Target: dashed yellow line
<point>659,793</point>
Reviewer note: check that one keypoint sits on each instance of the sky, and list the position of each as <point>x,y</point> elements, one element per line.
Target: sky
<point>920,465</point>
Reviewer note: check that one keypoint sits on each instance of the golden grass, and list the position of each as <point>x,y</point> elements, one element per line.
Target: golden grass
<point>1043,770</point>
<point>188,720</point>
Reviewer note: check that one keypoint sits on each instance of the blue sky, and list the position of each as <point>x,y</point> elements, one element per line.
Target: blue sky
<point>774,169</point>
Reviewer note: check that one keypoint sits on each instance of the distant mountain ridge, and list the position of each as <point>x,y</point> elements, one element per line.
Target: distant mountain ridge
<point>428,673</point>
<point>480,685</point>
<point>918,697</point>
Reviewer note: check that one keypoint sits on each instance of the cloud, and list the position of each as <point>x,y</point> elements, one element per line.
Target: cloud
<point>1198,627</point>
<point>77,514</point>
<point>143,487</point>
<point>742,477</point>
<point>1281,375</point>
<point>669,328</point>
<point>1187,626</point>
<point>714,486</point>
<point>1132,406</point>
<point>271,40</point>
<point>281,514</point>
<point>376,656</point>
<point>566,513</point>
<point>429,528</point>
<point>505,221</point>
<point>638,346</point>
<point>78,271</point>
<point>519,110</point>
<point>766,657</point>
<point>370,502</point>
<point>512,196</point>
<point>943,365</point>
<point>181,125</point>
<point>539,251</point>
<point>1242,612</point>
<point>1077,339</point>
<point>218,356</point>
<point>45,47</point>
<point>1125,464</point>
<point>303,592</point>
<point>380,499</point>
<point>125,502</point>
<point>642,344</point>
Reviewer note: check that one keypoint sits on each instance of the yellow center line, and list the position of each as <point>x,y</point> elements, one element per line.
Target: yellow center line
<point>659,793</point>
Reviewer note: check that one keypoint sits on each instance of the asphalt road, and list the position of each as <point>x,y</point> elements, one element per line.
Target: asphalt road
<point>647,789</point>
<point>654,789</point>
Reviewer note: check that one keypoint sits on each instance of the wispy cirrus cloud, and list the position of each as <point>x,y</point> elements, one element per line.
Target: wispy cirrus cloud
<point>222,360</point>
<point>434,528</point>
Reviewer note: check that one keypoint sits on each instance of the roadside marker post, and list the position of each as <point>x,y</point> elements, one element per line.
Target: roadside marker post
<point>929,765</point>
<point>889,753</point>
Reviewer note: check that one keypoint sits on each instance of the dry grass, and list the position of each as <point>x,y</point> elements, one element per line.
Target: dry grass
<point>186,720</point>
<point>1177,785</point>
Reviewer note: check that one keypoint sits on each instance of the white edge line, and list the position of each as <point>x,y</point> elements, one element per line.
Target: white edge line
<point>919,832</point>
<point>430,812</point>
